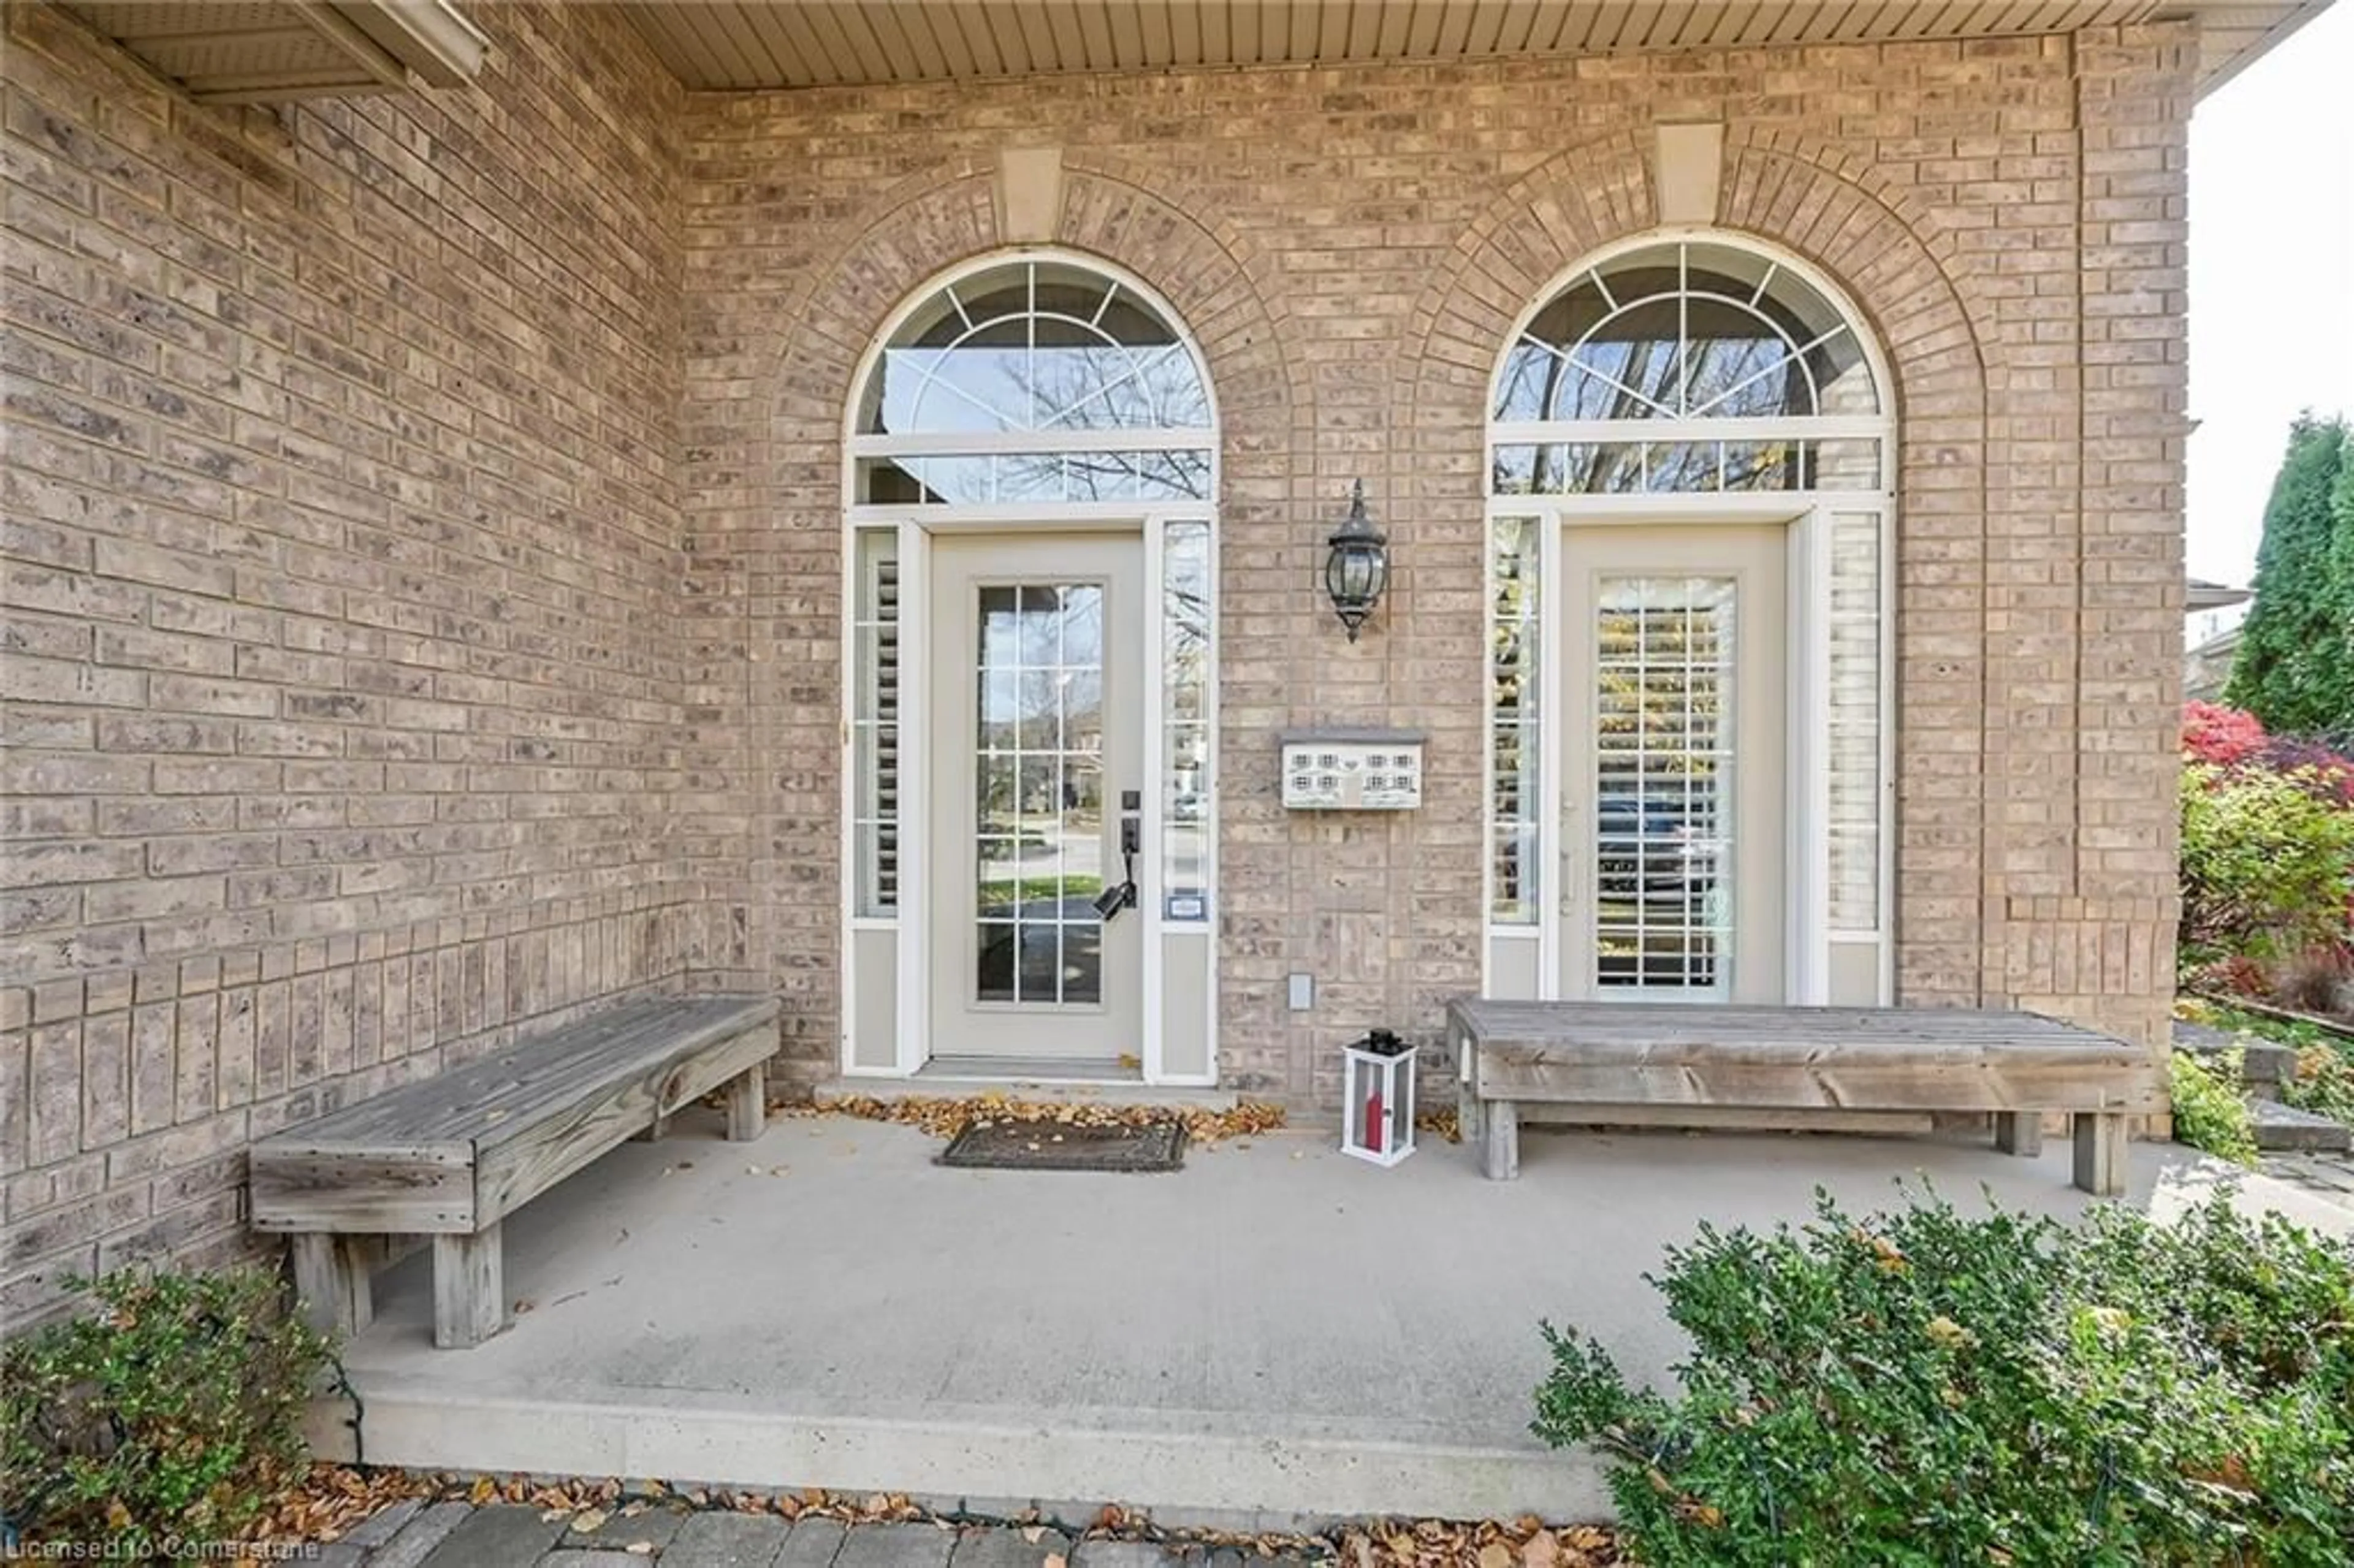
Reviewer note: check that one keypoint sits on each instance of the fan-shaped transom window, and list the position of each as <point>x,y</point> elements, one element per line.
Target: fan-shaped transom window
<point>1035,381</point>
<point>1686,366</point>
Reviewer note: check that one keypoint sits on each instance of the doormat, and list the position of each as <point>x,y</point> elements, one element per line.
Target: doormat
<point>1058,1146</point>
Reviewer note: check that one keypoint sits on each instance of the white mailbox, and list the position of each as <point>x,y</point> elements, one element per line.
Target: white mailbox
<point>1352,770</point>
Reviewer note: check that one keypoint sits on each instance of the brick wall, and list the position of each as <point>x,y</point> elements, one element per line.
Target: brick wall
<point>423,531</point>
<point>343,700</point>
<point>1351,247</point>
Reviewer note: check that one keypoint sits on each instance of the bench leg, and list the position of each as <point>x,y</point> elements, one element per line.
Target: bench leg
<point>748,1104</point>
<point>331,1281</point>
<point>2100,1154</point>
<point>2018,1132</point>
<point>1468,1114</point>
<point>652,1132</point>
<point>469,1288</point>
<point>1500,1143</point>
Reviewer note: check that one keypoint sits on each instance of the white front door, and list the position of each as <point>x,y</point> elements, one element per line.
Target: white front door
<point>1037,740</point>
<point>1674,799</point>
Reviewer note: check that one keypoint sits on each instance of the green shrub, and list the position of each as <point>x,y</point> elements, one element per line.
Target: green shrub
<point>2324,1083</point>
<point>2210,1112</point>
<point>171,1405</point>
<point>1923,1388</point>
<point>2266,868</point>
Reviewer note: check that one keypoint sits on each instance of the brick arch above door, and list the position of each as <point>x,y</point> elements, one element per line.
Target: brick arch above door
<point>1211,275</point>
<point>1893,257</point>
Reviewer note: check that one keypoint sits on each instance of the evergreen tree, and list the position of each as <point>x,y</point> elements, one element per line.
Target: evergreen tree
<point>2295,669</point>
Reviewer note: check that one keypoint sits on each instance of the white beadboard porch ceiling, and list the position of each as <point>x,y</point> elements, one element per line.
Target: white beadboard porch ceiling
<point>726,44</point>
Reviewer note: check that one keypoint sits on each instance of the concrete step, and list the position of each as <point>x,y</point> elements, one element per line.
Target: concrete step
<point>1184,1468</point>
<point>2264,1065</point>
<point>2284,1128</point>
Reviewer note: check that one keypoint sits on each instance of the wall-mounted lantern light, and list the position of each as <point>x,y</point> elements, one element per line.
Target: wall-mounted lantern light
<point>1357,567</point>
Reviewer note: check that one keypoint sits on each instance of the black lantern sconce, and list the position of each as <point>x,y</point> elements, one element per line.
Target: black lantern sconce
<point>1357,566</point>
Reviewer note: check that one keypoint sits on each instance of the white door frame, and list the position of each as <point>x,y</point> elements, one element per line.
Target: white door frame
<point>1805,515</point>
<point>914,528</point>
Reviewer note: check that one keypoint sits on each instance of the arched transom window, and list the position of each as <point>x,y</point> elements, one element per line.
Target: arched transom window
<point>1686,366</point>
<point>1034,382</point>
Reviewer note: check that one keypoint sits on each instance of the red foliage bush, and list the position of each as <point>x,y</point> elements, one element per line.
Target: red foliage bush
<point>2224,736</point>
<point>2238,975</point>
<point>2323,773</point>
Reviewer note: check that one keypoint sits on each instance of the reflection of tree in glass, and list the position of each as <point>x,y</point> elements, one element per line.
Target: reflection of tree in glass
<point>1112,389</point>
<point>1040,700</point>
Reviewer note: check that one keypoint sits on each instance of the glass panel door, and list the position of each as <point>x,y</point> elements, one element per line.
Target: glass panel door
<point>1672,747</point>
<point>1037,719</point>
<point>1663,768</point>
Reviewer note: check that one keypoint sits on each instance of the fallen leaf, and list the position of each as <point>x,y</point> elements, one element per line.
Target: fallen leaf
<point>481,1491</point>
<point>631,1511</point>
<point>1055,1559</point>
<point>1540,1551</point>
<point>1495,1554</point>
<point>590,1523</point>
<point>640,1549</point>
<point>524,1304</point>
<point>1033,1533</point>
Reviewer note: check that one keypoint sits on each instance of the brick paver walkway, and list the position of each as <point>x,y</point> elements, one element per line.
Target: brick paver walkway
<point>418,1534</point>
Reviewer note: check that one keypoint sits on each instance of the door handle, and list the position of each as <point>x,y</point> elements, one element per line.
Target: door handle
<point>1121,895</point>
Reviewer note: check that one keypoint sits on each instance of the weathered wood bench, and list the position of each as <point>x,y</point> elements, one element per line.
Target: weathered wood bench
<point>1682,1064</point>
<point>451,1156</point>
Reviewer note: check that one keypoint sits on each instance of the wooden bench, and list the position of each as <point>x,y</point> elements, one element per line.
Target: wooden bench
<point>1835,1067</point>
<point>451,1156</point>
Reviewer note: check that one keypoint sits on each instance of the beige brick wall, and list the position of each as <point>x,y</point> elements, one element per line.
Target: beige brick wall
<point>1351,246</point>
<point>344,700</point>
<point>422,538</point>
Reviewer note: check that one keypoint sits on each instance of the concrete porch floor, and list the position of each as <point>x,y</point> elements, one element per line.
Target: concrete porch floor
<point>1277,1334</point>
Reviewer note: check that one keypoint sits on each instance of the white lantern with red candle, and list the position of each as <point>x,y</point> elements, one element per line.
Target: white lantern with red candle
<point>1377,1098</point>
